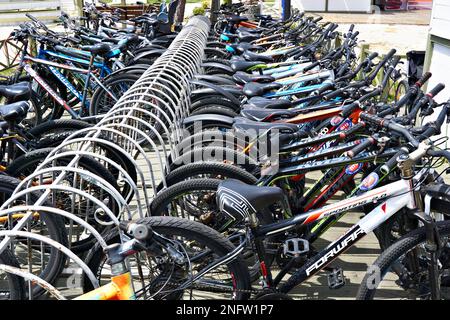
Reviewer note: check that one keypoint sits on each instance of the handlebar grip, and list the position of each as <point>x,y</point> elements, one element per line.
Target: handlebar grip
<point>370,118</point>
<point>352,130</point>
<point>317,19</point>
<point>425,77</point>
<point>372,56</point>
<point>372,94</point>
<point>353,37</point>
<point>361,147</point>
<point>31,17</point>
<point>333,94</point>
<point>438,88</point>
<point>326,87</point>
<point>392,162</point>
<point>390,54</point>
<point>334,27</point>
<point>311,66</point>
<point>352,27</point>
<point>348,109</point>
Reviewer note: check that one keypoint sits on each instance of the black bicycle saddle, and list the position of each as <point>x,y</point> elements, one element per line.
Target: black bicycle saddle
<point>251,56</point>
<point>16,92</point>
<point>14,112</point>
<point>241,65</point>
<point>239,199</point>
<point>253,89</point>
<point>242,78</point>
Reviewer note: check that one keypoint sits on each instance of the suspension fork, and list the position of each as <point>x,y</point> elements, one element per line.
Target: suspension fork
<point>433,246</point>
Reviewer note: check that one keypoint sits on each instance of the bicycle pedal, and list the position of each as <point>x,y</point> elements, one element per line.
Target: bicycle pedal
<point>336,278</point>
<point>295,247</point>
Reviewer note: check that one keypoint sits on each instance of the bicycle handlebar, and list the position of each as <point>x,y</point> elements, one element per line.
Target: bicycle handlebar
<point>360,147</point>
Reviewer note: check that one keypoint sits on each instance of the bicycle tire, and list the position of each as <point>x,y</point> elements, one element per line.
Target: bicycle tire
<point>16,284</point>
<point>185,228</point>
<point>385,261</point>
<point>56,231</point>
<point>29,161</point>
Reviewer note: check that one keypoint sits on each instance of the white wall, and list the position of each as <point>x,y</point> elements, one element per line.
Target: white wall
<point>350,5</point>
<point>333,5</point>
<point>68,5</point>
<point>440,54</point>
<point>440,19</point>
<point>309,5</point>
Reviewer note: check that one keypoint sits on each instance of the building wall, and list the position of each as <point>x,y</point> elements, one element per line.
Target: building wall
<point>438,53</point>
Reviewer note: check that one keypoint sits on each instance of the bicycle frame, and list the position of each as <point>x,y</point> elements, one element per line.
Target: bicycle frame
<point>52,67</point>
<point>394,196</point>
<point>104,69</point>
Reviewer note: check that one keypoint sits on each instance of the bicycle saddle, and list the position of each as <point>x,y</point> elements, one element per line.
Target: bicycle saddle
<point>241,65</point>
<point>243,46</point>
<point>239,199</point>
<point>237,19</point>
<point>14,111</point>
<point>265,103</point>
<point>244,124</point>
<point>242,78</point>
<point>253,89</point>
<point>16,92</point>
<point>263,16</point>
<point>259,114</point>
<point>249,30</point>
<point>247,36</point>
<point>251,56</point>
<point>98,49</point>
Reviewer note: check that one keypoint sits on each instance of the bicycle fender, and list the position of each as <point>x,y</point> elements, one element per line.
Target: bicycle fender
<point>208,118</point>
<point>216,79</point>
<point>146,54</point>
<point>219,66</point>
<point>225,92</point>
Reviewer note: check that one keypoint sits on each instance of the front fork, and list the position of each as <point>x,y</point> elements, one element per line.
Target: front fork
<point>433,247</point>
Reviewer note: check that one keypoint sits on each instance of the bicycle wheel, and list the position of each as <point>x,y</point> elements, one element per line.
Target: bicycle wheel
<point>81,240</point>
<point>401,271</point>
<point>102,102</point>
<point>156,276</point>
<point>12,287</point>
<point>45,261</point>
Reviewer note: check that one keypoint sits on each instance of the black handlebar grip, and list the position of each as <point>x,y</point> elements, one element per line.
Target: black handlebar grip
<point>361,147</point>
<point>390,54</point>
<point>370,118</point>
<point>311,66</point>
<point>333,94</point>
<point>392,162</point>
<point>348,109</point>
<point>372,94</point>
<point>352,27</point>
<point>31,17</point>
<point>335,26</point>
<point>425,77</point>
<point>438,88</point>
<point>353,37</point>
<point>325,87</point>
<point>318,19</point>
<point>352,130</point>
<point>372,56</point>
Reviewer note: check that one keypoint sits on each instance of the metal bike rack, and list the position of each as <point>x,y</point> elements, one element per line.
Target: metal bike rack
<point>143,124</point>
